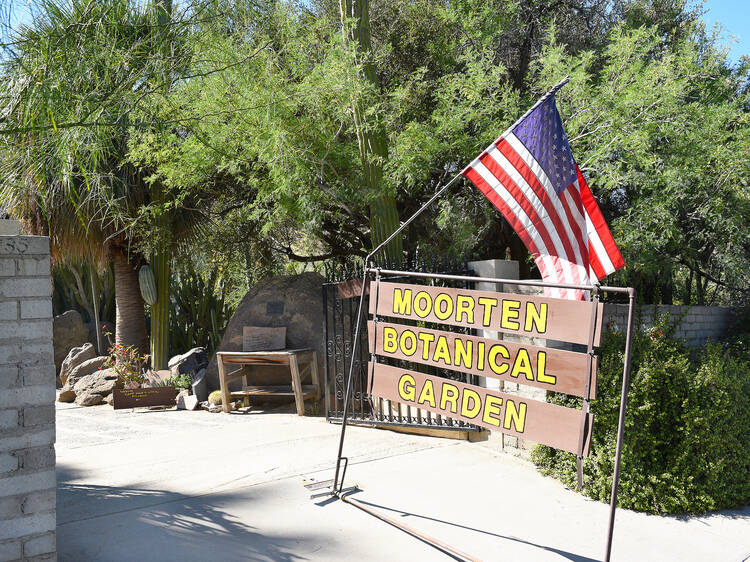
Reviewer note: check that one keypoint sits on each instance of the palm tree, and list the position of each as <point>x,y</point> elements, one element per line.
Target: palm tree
<point>79,83</point>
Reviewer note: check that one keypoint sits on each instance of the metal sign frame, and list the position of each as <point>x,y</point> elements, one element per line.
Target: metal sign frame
<point>371,269</point>
<point>338,481</point>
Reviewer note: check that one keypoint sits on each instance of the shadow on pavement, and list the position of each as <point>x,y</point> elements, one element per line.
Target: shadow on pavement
<point>569,555</point>
<point>131,523</point>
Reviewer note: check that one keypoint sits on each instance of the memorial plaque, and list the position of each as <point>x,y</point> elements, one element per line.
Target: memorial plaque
<point>549,424</point>
<point>275,308</point>
<point>143,397</point>
<point>521,315</point>
<point>551,369</point>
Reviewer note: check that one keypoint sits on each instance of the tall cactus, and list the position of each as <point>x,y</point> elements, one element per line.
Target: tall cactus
<point>373,144</point>
<point>160,310</point>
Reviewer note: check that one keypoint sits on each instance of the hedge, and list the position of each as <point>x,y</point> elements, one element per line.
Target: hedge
<point>687,431</point>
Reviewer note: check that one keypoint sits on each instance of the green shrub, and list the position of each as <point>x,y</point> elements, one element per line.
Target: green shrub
<point>687,430</point>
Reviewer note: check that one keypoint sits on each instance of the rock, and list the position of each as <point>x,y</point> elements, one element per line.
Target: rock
<point>186,401</point>
<point>190,362</point>
<point>132,385</point>
<point>200,385</point>
<point>101,382</point>
<point>68,331</point>
<point>66,396</point>
<point>156,378</point>
<point>291,301</point>
<point>214,409</point>
<point>110,399</point>
<point>74,358</point>
<point>86,368</point>
<point>88,398</point>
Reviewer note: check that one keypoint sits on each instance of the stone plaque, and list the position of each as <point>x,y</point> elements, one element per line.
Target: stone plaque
<point>258,338</point>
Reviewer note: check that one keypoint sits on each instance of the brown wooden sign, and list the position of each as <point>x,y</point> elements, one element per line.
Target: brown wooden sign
<point>554,319</point>
<point>536,421</point>
<point>552,369</point>
<point>142,397</point>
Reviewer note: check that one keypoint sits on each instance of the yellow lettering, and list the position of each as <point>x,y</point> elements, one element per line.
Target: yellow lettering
<point>422,304</point>
<point>492,407</point>
<point>476,404</point>
<point>480,356</point>
<point>389,339</point>
<point>465,306</point>
<point>541,365</point>
<point>441,351</point>
<point>488,303</point>
<point>510,312</point>
<point>536,319</point>
<point>515,416</point>
<point>440,312</point>
<point>408,342</point>
<point>449,393</point>
<point>402,302</point>
<point>427,394</point>
<point>426,340</point>
<point>495,350</point>
<point>522,364</point>
<point>462,353</point>
<point>406,387</point>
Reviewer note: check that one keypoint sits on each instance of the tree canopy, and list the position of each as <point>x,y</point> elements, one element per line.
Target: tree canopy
<point>257,133</point>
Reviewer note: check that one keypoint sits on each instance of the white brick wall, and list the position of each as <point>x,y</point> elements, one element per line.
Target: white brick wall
<point>27,396</point>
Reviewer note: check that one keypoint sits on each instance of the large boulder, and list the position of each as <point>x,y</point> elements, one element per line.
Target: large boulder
<point>75,357</point>
<point>100,383</point>
<point>291,301</point>
<point>68,331</point>
<point>86,368</point>
<point>67,394</point>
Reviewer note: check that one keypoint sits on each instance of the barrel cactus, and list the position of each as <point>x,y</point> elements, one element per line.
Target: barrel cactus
<point>148,284</point>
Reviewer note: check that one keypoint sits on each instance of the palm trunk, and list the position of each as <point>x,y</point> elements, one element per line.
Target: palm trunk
<point>130,325</point>
<point>160,311</point>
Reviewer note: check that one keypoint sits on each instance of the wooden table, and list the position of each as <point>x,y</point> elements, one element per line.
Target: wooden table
<point>294,358</point>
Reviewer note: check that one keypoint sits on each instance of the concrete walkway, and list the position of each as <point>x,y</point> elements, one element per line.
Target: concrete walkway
<point>142,485</point>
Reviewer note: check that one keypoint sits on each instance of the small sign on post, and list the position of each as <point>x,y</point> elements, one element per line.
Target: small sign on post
<point>143,397</point>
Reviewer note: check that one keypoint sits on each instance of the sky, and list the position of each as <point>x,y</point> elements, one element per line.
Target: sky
<point>734,16</point>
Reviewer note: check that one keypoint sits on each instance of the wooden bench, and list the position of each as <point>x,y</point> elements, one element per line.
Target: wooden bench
<point>293,358</point>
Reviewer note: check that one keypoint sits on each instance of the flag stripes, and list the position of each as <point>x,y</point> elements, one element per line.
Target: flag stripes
<point>605,256</point>
<point>565,232</point>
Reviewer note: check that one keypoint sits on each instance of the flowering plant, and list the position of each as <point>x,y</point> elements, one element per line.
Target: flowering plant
<point>127,362</point>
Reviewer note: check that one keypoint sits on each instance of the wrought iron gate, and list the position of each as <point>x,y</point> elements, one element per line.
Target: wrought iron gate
<point>340,301</point>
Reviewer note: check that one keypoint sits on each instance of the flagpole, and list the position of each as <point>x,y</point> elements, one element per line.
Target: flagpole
<point>337,488</point>
<point>440,191</point>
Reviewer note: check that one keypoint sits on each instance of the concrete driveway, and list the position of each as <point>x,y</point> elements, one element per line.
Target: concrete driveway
<point>176,485</point>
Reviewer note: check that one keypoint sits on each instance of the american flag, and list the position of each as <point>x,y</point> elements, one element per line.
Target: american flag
<point>530,175</point>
